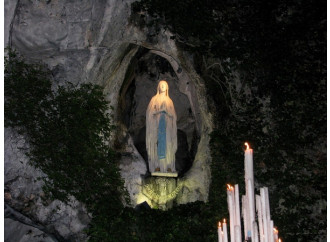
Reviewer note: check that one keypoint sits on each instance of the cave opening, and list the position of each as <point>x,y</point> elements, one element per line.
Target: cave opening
<point>141,80</point>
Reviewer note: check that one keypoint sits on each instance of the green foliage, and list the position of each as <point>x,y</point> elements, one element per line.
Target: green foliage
<point>189,222</point>
<point>71,144</point>
<point>26,87</point>
<point>69,133</point>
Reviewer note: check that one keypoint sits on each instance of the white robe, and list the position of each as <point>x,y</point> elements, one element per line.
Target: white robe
<point>161,102</point>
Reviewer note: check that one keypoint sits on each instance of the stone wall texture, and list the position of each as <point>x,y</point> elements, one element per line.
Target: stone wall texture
<point>96,41</point>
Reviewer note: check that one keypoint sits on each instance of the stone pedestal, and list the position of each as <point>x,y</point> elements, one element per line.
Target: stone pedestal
<point>163,174</point>
<point>161,191</point>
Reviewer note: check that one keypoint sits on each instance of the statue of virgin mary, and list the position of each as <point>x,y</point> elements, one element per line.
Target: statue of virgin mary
<point>161,133</point>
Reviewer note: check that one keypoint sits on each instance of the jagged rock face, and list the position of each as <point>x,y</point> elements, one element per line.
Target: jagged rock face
<point>24,199</point>
<point>24,232</point>
<point>96,41</point>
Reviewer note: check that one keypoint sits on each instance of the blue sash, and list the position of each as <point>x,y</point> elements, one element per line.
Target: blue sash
<point>161,146</point>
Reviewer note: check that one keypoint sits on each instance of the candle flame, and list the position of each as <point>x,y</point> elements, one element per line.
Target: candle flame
<point>219,224</point>
<point>230,188</point>
<point>247,146</point>
<point>275,231</point>
<point>224,220</point>
<point>279,240</point>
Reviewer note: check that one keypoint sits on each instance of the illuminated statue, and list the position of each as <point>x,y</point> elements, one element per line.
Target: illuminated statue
<point>161,137</point>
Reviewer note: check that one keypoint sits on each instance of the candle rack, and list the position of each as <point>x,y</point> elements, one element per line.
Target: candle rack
<point>255,229</point>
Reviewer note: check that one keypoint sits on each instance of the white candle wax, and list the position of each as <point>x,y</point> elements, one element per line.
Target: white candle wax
<point>219,233</point>
<point>238,237</point>
<point>264,219</point>
<point>271,228</point>
<point>248,160</point>
<point>248,164</point>
<point>237,210</point>
<point>267,204</point>
<point>244,215</point>
<point>255,232</point>
<point>259,210</point>
<point>233,205</point>
<point>251,210</point>
<point>231,213</point>
<point>225,235</point>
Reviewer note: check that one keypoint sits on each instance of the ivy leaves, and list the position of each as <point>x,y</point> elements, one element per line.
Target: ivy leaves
<point>69,132</point>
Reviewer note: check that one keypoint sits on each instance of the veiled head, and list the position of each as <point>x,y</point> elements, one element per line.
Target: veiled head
<point>162,87</point>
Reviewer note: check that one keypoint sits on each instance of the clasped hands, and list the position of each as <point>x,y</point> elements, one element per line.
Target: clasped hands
<point>163,111</point>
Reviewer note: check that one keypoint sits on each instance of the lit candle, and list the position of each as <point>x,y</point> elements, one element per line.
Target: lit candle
<point>248,162</point>
<point>219,232</point>
<point>224,228</point>
<point>248,165</point>
<point>231,209</point>
<point>276,235</point>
